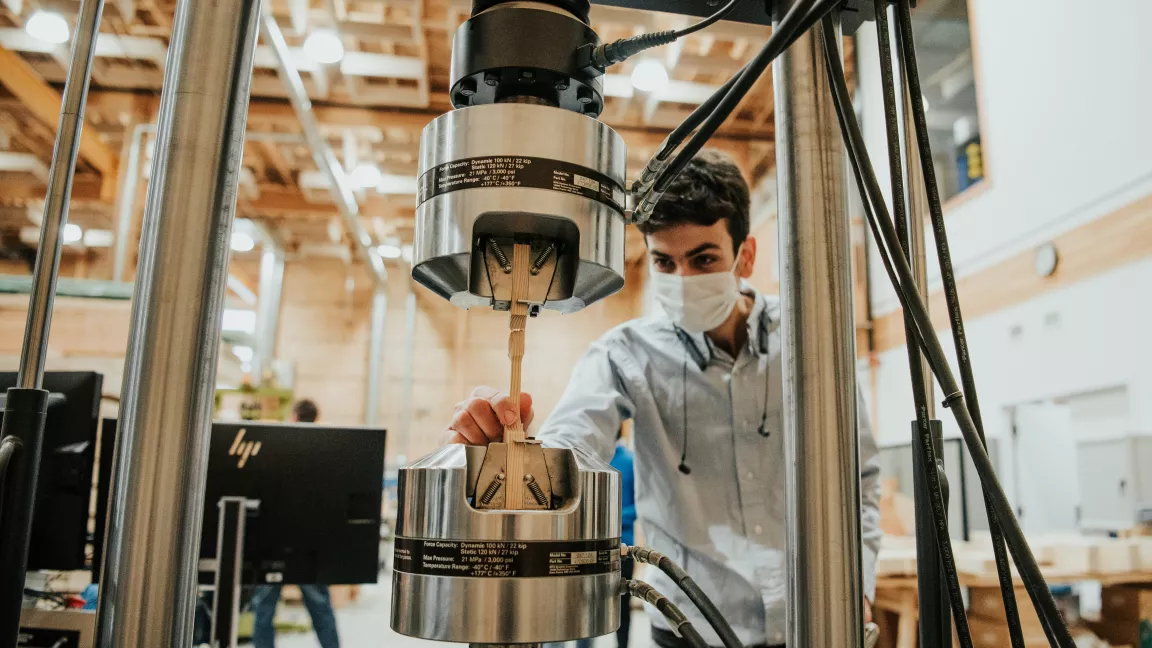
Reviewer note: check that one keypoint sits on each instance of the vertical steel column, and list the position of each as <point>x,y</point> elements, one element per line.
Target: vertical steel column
<point>268,304</point>
<point>126,201</point>
<point>821,447</point>
<point>26,405</point>
<point>149,587</point>
<point>376,353</point>
<point>409,369</point>
<point>64,154</point>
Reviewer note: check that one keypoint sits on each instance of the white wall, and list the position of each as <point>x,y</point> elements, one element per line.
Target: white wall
<point>1066,127</point>
<point>1088,337</point>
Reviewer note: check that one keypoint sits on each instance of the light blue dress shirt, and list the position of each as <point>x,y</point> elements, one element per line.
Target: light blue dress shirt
<point>725,521</point>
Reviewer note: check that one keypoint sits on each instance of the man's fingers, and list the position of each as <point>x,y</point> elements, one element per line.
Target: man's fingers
<point>526,412</point>
<point>452,437</point>
<point>485,392</point>
<point>466,427</point>
<point>485,417</point>
<point>502,405</point>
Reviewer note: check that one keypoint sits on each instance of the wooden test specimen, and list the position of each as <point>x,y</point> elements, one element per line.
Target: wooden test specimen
<point>514,435</point>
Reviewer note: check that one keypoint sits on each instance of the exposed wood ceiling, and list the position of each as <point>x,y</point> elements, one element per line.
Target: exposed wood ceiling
<point>393,79</point>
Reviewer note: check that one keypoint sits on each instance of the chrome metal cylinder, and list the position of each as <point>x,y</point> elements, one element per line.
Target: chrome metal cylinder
<point>64,153</point>
<point>268,303</point>
<point>820,435</point>
<point>126,200</point>
<point>379,321</point>
<point>506,577</point>
<point>148,594</point>
<point>511,171</point>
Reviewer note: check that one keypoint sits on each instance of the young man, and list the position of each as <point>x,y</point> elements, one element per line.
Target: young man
<point>703,386</point>
<point>316,597</point>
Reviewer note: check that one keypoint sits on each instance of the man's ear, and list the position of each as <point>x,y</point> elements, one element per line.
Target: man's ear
<point>747,260</point>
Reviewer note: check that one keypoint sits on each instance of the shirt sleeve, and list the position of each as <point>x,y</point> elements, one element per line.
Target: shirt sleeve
<point>869,497</point>
<point>593,406</point>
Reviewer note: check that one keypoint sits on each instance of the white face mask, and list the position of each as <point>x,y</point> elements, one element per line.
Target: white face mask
<point>698,303</point>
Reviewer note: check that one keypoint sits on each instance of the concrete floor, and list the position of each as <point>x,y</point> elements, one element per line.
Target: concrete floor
<point>364,624</point>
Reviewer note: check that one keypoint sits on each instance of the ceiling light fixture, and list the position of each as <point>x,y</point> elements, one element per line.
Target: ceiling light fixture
<point>72,234</point>
<point>242,242</point>
<point>389,251</point>
<point>324,47</point>
<point>650,76</point>
<point>48,26</point>
<point>365,176</point>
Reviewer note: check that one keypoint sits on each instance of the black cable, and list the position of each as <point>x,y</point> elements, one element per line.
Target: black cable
<point>901,275</point>
<point>9,448</point>
<point>906,48</point>
<point>602,57</point>
<point>798,20</point>
<point>680,623</point>
<point>710,20</point>
<point>872,192</point>
<point>707,608</point>
<point>923,436</point>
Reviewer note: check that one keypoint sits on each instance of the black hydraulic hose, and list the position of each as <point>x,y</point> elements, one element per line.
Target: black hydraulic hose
<point>871,192</point>
<point>896,264</point>
<point>931,621</point>
<point>610,54</point>
<point>685,582</point>
<point>906,46</point>
<point>680,623</point>
<point>9,447</point>
<point>797,21</point>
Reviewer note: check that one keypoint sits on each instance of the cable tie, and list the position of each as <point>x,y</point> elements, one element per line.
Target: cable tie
<point>952,399</point>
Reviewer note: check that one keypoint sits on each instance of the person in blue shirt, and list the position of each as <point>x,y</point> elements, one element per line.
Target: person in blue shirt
<point>622,461</point>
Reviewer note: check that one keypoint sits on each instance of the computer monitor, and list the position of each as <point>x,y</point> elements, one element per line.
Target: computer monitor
<point>64,489</point>
<point>319,489</point>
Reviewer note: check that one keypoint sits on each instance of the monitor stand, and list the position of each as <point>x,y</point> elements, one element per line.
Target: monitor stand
<point>234,512</point>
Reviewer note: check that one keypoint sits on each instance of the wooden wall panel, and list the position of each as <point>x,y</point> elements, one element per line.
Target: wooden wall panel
<point>1107,243</point>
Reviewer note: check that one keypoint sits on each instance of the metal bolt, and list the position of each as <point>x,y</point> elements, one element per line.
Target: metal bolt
<point>584,95</point>
<point>501,258</point>
<point>468,87</point>
<point>561,84</point>
<point>491,78</point>
<point>542,258</point>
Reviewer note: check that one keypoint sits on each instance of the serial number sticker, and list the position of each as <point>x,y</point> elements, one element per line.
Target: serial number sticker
<point>584,558</point>
<point>587,183</point>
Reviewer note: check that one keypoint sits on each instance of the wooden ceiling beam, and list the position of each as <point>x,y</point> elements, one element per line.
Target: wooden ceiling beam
<point>44,102</point>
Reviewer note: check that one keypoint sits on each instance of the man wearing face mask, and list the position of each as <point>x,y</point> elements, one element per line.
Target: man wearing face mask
<point>702,384</point>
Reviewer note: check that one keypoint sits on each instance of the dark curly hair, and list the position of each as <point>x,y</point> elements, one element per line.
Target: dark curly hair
<point>306,411</point>
<point>711,187</point>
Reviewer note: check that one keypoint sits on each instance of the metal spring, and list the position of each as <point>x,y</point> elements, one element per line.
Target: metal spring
<point>501,258</point>
<point>537,492</point>
<point>541,258</point>
<point>490,492</point>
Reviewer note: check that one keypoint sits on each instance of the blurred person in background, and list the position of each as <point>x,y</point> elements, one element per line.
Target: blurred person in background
<point>622,461</point>
<point>317,599</point>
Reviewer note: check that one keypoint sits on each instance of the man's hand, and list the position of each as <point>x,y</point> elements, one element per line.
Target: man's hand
<point>481,417</point>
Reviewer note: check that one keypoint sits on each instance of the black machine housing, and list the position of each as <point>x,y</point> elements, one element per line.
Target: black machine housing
<point>537,51</point>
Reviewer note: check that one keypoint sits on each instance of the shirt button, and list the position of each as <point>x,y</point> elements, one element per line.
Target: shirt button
<point>758,529</point>
<point>749,475</point>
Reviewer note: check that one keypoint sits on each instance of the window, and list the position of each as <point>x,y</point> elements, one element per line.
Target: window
<point>948,76</point>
